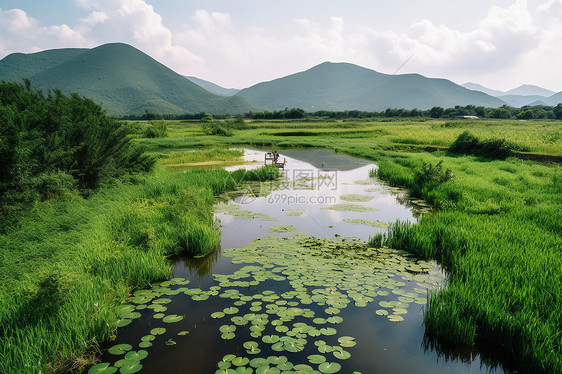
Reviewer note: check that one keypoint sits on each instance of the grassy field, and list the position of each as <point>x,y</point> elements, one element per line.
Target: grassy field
<point>497,229</point>
<point>544,137</point>
<point>68,264</point>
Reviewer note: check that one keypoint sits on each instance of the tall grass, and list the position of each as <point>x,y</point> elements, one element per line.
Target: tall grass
<point>68,265</point>
<point>501,244</point>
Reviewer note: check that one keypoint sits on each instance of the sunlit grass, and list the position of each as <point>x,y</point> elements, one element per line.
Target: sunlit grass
<point>215,154</point>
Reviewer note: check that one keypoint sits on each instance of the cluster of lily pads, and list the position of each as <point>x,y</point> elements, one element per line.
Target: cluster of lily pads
<point>236,211</point>
<point>317,278</point>
<point>330,274</point>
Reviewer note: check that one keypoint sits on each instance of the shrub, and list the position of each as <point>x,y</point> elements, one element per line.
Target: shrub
<point>156,130</point>
<point>236,124</point>
<point>466,143</point>
<point>430,176</point>
<point>214,128</point>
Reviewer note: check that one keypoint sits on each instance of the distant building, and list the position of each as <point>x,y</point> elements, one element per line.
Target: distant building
<point>467,117</point>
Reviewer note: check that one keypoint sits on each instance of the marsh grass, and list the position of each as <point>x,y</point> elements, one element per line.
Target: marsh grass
<point>69,263</point>
<point>501,244</point>
<point>215,154</point>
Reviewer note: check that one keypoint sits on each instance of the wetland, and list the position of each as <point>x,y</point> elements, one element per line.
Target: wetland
<point>293,287</point>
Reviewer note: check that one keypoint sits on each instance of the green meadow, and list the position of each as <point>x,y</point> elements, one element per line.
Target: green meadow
<point>68,262</point>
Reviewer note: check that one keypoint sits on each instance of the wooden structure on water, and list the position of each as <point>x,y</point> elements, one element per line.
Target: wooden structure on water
<point>272,158</point>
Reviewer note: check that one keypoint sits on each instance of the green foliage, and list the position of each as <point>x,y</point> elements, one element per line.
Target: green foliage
<point>436,112</point>
<point>215,128</point>
<point>429,176</point>
<point>466,143</point>
<point>156,130</point>
<point>206,118</point>
<point>236,123</point>
<point>50,143</point>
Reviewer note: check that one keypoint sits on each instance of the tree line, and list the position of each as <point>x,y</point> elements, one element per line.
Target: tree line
<point>504,112</point>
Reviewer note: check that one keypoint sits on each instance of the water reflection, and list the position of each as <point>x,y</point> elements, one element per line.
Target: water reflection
<point>201,266</point>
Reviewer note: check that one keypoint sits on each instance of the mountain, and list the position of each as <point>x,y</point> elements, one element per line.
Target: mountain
<point>478,87</point>
<point>120,77</point>
<point>344,86</point>
<point>554,99</point>
<point>214,88</point>
<point>529,89</point>
<point>518,101</point>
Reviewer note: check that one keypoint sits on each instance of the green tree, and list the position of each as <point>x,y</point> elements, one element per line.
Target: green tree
<point>557,111</point>
<point>436,112</point>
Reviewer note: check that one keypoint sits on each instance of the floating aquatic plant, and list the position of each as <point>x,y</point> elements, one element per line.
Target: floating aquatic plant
<point>235,211</point>
<point>361,221</point>
<point>282,228</point>
<point>350,208</point>
<point>356,198</point>
<point>332,274</point>
<point>295,212</point>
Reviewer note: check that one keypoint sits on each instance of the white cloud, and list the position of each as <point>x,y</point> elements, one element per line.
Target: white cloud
<point>94,18</point>
<point>21,33</point>
<point>136,22</point>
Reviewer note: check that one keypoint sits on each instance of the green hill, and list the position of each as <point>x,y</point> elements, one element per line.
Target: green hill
<point>122,78</point>
<point>343,86</point>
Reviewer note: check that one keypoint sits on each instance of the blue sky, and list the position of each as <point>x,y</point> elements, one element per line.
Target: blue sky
<point>500,44</point>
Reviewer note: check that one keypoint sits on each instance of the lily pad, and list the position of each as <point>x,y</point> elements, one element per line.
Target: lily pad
<point>361,221</point>
<point>158,331</point>
<point>172,318</point>
<point>102,368</point>
<point>130,367</point>
<point>136,355</point>
<point>316,359</point>
<point>240,361</point>
<point>329,367</point>
<point>350,208</point>
<point>295,212</point>
<point>356,198</point>
<point>282,228</point>
<point>120,349</point>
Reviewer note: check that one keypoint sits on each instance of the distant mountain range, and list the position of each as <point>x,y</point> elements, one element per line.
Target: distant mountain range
<point>127,81</point>
<point>523,95</point>
<point>343,86</point>
<point>122,78</point>
<point>214,88</point>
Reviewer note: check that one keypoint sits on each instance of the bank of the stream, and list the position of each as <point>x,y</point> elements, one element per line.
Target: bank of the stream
<point>68,264</point>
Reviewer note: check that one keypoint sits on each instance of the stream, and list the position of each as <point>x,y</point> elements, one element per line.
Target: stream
<point>294,287</point>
